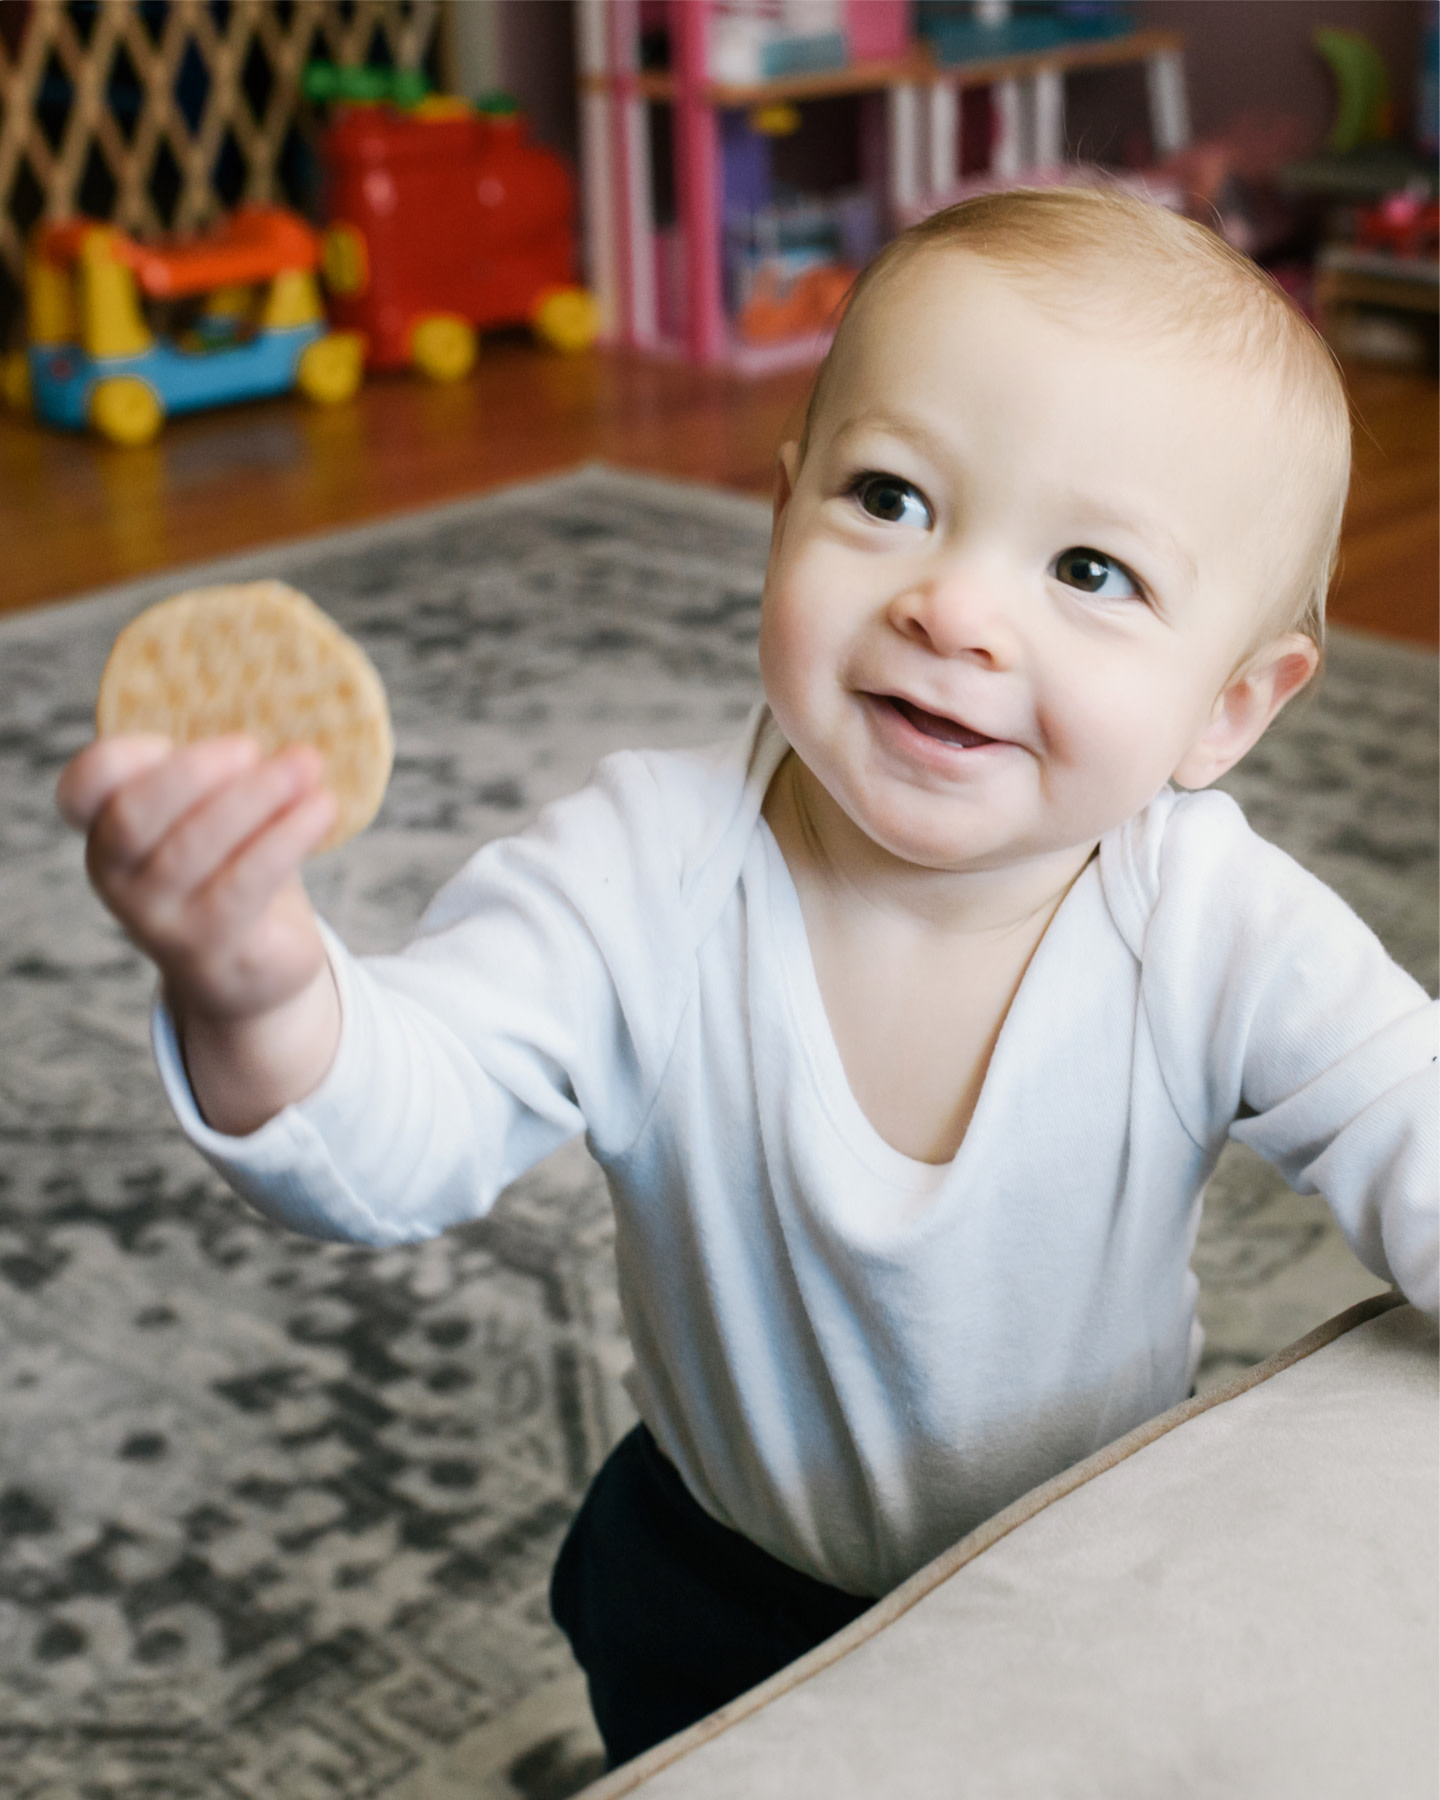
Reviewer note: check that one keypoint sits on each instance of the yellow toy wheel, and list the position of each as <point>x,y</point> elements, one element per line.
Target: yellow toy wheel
<point>443,347</point>
<point>329,370</point>
<point>567,319</point>
<point>17,381</point>
<point>126,410</point>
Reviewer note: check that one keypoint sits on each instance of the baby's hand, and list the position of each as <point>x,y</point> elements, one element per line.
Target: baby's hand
<point>196,849</point>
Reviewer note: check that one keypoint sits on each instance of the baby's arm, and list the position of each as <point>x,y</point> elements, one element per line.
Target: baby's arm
<point>539,999</point>
<point>1281,1020</point>
<point>197,851</point>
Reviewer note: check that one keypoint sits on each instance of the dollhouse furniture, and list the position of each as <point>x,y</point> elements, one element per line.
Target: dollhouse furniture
<point>629,259</point>
<point>1237,1600</point>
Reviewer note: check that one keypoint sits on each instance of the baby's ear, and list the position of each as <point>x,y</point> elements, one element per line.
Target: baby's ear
<point>1246,705</point>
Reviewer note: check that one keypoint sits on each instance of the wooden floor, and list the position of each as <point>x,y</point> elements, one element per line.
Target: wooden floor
<point>76,514</point>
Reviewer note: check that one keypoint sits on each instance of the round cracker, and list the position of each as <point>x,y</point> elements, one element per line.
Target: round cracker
<point>261,658</point>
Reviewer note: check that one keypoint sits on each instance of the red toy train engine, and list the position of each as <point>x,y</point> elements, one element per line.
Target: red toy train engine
<point>446,220</point>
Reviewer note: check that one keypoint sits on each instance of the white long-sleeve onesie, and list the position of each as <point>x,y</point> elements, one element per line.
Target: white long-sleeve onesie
<point>852,1357</point>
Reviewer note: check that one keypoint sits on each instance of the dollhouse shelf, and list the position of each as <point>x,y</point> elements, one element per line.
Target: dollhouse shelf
<point>855,78</point>
<point>922,105</point>
<point>919,69</point>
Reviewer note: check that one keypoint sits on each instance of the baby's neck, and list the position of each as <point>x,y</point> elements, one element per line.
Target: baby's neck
<point>916,967</point>
<point>828,853</point>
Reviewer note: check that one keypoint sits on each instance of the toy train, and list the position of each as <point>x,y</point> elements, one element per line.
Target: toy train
<point>445,219</point>
<point>246,321</point>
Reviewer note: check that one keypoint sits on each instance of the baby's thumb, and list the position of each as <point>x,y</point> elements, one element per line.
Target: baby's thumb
<point>88,780</point>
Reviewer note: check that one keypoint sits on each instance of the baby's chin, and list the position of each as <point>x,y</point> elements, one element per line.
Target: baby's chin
<point>915,837</point>
<point>933,837</point>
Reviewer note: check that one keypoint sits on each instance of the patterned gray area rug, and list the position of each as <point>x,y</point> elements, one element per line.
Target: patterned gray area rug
<point>276,1518</point>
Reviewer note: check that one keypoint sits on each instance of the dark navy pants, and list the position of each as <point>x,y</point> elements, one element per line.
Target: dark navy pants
<point>669,1613</point>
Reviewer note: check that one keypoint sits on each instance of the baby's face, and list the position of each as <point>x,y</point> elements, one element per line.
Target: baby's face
<point>1013,573</point>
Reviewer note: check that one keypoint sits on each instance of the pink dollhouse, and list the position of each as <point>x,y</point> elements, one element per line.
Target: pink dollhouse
<point>692,249</point>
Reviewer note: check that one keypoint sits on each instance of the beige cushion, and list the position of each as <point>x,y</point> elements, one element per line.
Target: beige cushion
<point>1238,1601</point>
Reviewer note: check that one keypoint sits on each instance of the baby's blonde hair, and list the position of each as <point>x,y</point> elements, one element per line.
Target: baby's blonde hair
<point>1068,248</point>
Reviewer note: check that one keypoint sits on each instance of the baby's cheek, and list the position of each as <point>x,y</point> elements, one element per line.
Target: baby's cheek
<point>784,650</point>
<point>1090,738</point>
<point>1112,757</point>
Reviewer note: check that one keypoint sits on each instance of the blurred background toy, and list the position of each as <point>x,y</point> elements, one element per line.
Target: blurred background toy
<point>121,332</point>
<point>1404,224</point>
<point>1364,112</point>
<point>789,257</point>
<point>763,40</point>
<point>1371,191</point>
<point>444,220</point>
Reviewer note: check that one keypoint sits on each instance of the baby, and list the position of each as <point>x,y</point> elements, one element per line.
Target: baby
<point>907,1028</point>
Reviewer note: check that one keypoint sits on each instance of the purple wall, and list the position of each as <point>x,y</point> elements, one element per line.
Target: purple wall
<point>535,48</point>
<point>1243,57</point>
<point>1249,55</point>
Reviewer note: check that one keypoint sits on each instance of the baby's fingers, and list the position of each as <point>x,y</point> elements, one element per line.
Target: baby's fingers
<point>239,891</point>
<point>89,779</point>
<point>204,839</point>
<point>138,814</point>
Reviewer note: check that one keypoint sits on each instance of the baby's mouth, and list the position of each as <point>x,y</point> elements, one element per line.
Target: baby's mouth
<point>935,725</point>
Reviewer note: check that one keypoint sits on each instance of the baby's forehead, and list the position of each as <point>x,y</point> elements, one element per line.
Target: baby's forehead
<point>1133,311</point>
<point>940,300</point>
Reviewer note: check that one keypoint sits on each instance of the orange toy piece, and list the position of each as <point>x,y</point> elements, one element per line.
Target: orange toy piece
<point>445,221</point>
<point>810,302</point>
<point>253,244</point>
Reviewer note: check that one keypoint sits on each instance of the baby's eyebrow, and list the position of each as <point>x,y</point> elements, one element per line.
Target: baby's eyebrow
<point>896,425</point>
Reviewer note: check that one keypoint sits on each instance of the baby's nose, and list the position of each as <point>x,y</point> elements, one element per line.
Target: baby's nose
<point>959,610</point>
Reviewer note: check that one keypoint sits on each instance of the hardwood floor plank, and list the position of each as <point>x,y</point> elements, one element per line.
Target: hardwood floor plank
<point>1390,550</point>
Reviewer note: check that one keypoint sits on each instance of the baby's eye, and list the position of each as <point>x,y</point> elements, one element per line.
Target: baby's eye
<point>893,501</point>
<point>1093,572</point>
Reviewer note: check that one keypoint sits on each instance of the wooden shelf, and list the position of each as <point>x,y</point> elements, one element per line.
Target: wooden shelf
<point>820,84</point>
<point>1097,53</point>
<point>1405,290</point>
<point>918,69</point>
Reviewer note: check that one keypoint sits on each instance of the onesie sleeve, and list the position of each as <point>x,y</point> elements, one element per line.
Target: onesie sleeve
<point>537,1001</point>
<point>1279,1018</point>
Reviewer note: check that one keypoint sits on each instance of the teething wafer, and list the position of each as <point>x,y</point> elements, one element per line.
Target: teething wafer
<point>255,657</point>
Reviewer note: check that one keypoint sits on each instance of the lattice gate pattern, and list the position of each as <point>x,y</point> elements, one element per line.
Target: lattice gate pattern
<point>157,114</point>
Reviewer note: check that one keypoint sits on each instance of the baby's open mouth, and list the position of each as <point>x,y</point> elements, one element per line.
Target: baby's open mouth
<point>935,725</point>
